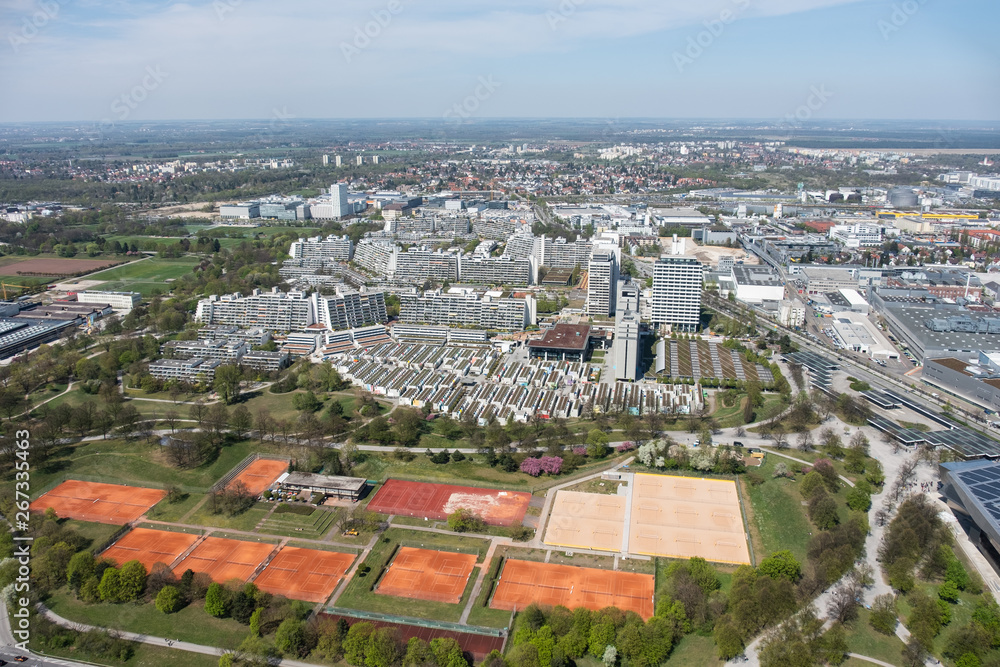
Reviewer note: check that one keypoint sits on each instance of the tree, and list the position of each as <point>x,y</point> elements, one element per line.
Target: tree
<point>781,565</point>
<point>728,640</point>
<point>109,589</point>
<point>356,643</point>
<point>465,521</point>
<point>215,601</point>
<point>240,421</point>
<point>169,599</point>
<point>80,568</point>
<point>227,382</point>
<point>131,581</point>
<point>610,656</point>
<point>382,649</point>
<point>883,615</point>
<point>290,638</point>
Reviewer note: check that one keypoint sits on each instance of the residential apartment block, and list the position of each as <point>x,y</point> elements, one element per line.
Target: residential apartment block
<point>333,248</point>
<point>464,308</point>
<point>677,283</point>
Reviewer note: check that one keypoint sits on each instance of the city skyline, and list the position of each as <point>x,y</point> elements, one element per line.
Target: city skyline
<point>757,59</point>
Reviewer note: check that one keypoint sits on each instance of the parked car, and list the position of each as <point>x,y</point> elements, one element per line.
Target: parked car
<point>737,443</point>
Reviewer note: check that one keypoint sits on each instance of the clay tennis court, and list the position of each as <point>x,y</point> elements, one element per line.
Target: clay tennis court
<point>683,517</point>
<point>149,547</point>
<point>586,521</point>
<point>424,574</point>
<point>304,574</point>
<point>103,503</point>
<point>259,475</point>
<point>523,582</point>
<point>224,559</point>
<point>437,501</point>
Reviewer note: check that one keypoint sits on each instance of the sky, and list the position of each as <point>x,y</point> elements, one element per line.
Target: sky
<point>126,60</point>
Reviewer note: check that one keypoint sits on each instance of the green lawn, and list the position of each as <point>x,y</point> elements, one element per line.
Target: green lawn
<point>146,275</point>
<point>314,526</point>
<point>247,520</point>
<point>863,640</point>
<point>190,624</point>
<point>779,519</point>
<point>134,463</point>
<point>168,511</point>
<point>694,651</point>
<point>146,655</point>
<point>358,596</point>
<point>97,533</point>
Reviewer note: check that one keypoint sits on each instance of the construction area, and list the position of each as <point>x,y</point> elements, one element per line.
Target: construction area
<point>524,582</point>
<point>424,574</point>
<point>101,503</point>
<point>654,515</point>
<point>437,501</point>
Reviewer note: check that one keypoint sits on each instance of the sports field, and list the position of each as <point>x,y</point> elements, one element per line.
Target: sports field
<point>224,559</point>
<point>144,275</point>
<point>682,517</point>
<point>437,501</point>
<point>304,574</point>
<point>523,582</point>
<point>103,503</point>
<point>150,547</point>
<point>55,267</point>
<point>424,574</point>
<point>260,474</point>
<point>586,521</point>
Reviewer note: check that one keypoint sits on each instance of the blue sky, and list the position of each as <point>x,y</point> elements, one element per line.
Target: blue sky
<point>118,60</point>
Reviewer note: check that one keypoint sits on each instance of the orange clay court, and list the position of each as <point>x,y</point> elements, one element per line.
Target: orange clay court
<point>437,501</point>
<point>523,582</point>
<point>260,474</point>
<point>683,517</point>
<point>149,547</point>
<point>224,559</point>
<point>304,574</point>
<point>440,576</point>
<point>94,501</point>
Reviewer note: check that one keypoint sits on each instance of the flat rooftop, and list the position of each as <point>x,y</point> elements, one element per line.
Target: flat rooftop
<point>565,337</point>
<point>756,275</point>
<point>915,320</point>
<point>324,481</point>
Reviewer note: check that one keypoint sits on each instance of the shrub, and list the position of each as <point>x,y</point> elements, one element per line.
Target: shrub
<point>168,600</point>
<point>464,521</point>
<point>216,603</point>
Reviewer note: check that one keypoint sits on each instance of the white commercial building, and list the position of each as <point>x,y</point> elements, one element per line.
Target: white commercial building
<point>791,313</point>
<point>677,284</point>
<point>124,301</point>
<point>757,284</point>
<point>855,332</point>
<point>858,236</point>
<point>626,347</point>
<point>602,284</point>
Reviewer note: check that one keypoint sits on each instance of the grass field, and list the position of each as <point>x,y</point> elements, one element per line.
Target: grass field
<point>358,596</point>
<point>247,520</point>
<point>146,655</point>
<point>190,624</point>
<point>146,275</point>
<point>97,533</point>
<point>863,640</point>
<point>314,526</point>
<point>134,463</point>
<point>778,518</point>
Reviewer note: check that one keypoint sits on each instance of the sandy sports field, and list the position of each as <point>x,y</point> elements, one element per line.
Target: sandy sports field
<point>259,475</point>
<point>523,582</point>
<point>427,575</point>
<point>586,521</point>
<point>94,501</point>
<point>304,574</point>
<point>683,517</point>
<point>150,547</point>
<point>437,501</point>
<point>224,559</point>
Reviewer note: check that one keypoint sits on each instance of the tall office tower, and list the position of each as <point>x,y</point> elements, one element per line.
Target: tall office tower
<point>338,161</point>
<point>602,285</point>
<point>626,347</point>
<point>338,194</point>
<point>326,160</point>
<point>360,160</point>
<point>628,298</point>
<point>677,282</point>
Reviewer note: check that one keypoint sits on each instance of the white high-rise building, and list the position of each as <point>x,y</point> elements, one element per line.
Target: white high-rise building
<point>338,161</point>
<point>338,197</point>
<point>602,284</point>
<point>677,283</point>
<point>360,160</point>
<point>326,160</point>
